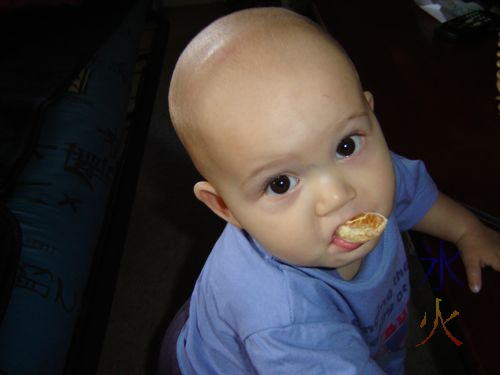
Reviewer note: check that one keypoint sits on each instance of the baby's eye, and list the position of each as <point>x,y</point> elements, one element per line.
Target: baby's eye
<point>281,184</point>
<point>349,146</point>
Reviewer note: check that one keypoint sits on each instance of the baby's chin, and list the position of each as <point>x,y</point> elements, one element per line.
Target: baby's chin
<point>358,254</point>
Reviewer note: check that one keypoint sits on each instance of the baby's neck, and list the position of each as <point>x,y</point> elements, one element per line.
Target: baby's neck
<point>349,271</point>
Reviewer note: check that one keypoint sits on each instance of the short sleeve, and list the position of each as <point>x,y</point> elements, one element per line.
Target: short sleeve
<point>416,192</point>
<point>311,348</point>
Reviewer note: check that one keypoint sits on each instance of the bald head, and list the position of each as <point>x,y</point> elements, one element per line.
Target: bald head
<point>241,54</point>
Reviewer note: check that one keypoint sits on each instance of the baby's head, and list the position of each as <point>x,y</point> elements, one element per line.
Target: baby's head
<point>274,117</point>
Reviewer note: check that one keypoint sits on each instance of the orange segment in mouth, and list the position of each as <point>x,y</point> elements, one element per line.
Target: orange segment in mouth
<point>362,228</point>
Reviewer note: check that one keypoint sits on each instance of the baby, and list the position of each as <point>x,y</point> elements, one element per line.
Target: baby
<point>274,117</point>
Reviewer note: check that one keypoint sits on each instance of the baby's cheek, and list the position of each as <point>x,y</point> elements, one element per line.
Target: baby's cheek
<point>288,246</point>
<point>377,189</point>
<point>384,179</point>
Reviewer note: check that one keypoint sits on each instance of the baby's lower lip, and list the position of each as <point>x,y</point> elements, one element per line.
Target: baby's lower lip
<point>349,246</point>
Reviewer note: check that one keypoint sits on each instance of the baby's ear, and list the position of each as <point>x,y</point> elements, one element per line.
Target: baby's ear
<point>369,99</point>
<point>206,193</point>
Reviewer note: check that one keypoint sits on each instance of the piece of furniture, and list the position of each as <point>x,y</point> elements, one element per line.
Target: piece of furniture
<point>10,250</point>
<point>77,86</point>
<point>436,101</point>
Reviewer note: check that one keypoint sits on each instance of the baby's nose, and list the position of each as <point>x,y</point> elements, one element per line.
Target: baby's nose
<point>333,192</point>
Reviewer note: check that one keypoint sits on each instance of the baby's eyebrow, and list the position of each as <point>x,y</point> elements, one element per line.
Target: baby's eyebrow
<point>281,161</point>
<point>356,116</point>
<point>263,168</point>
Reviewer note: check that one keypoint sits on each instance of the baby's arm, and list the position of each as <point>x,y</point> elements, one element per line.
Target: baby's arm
<point>315,348</point>
<point>479,246</point>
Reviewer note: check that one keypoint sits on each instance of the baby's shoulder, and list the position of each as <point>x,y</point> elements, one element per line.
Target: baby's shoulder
<point>244,279</point>
<point>242,285</point>
<point>251,290</point>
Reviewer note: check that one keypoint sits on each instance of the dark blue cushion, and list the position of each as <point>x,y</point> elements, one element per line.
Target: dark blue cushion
<point>60,201</point>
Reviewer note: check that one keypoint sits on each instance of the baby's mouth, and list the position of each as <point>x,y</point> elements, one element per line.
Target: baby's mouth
<point>343,244</point>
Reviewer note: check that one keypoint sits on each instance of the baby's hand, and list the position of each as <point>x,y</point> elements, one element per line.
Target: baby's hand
<point>480,247</point>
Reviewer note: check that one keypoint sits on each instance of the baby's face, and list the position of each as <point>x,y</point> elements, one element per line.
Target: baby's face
<point>299,152</point>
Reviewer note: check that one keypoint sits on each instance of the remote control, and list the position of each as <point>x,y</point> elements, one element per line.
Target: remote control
<point>471,24</point>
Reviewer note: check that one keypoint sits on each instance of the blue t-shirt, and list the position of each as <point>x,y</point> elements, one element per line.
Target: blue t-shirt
<point>251,313</point>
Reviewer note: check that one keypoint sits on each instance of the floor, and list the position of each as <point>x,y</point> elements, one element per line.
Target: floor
<point>168,229</point>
